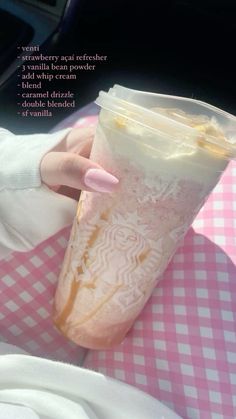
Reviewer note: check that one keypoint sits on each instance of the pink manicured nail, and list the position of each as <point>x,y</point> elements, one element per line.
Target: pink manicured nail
<point>100,181</point>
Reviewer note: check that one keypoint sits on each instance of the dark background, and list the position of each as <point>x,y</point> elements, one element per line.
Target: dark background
<point>178,47</point>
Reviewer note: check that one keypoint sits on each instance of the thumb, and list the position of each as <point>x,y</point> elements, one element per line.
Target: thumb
<point>75,171</point>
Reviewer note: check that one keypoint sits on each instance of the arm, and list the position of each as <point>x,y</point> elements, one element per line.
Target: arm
<point>29,211</point>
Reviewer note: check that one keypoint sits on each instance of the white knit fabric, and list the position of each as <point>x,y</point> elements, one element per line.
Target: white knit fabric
<point>29,211</point>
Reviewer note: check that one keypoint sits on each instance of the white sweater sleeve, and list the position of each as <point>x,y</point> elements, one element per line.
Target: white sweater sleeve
<point>29,211</point>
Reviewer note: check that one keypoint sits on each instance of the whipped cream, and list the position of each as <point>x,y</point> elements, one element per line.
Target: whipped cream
<point>189,157</point>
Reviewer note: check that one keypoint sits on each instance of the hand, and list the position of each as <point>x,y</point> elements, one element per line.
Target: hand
<point>67,169</point>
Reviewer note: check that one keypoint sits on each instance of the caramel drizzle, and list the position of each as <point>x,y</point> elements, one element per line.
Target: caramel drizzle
<point>109,296</point>
<point>89,315</point>
<point>76,283</point>
<point>213,148</point>
<point>61,319</point>
<point>144,255</point>
<point>69,253</point>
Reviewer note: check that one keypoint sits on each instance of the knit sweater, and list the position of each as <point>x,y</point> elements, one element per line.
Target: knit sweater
<point>30,212</point>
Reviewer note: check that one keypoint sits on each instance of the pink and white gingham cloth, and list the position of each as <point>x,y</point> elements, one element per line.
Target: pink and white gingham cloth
<point>182,348</point>
<point>28,283</point>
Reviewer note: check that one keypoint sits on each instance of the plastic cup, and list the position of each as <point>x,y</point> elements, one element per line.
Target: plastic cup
<point>122,242</point>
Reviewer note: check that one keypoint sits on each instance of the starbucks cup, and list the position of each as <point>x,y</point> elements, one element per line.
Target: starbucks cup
<point>168,154</point>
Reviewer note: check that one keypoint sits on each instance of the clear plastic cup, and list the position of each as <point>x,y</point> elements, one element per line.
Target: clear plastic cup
<point>168,153</point>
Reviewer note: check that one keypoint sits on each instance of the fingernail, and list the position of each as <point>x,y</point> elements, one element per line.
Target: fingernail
<point>100,181</point>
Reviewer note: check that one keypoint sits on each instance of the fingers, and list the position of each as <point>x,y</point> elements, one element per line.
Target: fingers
<point>68,165</point>
<point>75,171</point>
<point>84,148</point>
<point>78,138</point>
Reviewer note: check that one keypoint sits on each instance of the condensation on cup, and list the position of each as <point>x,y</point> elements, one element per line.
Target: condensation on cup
<point>168,153</point>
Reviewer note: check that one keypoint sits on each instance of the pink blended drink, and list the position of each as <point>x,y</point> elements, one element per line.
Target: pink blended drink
<point>168,153</point>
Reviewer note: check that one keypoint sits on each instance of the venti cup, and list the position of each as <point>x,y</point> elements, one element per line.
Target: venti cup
<point>168,154</point>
